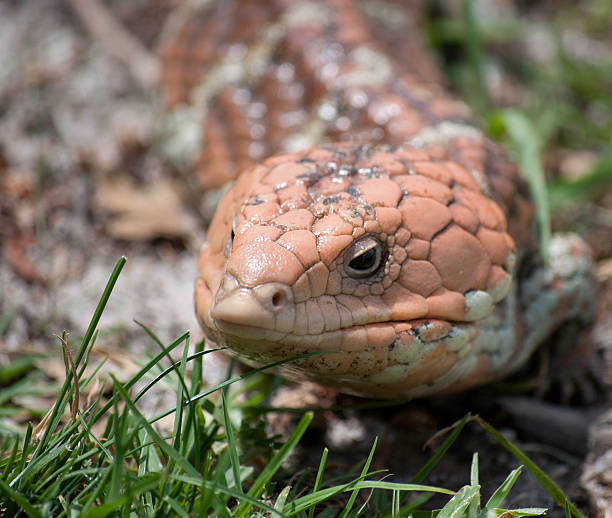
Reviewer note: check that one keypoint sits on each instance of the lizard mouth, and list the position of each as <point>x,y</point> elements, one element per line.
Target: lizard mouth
<point>248,324</point>
<point>269,313</point>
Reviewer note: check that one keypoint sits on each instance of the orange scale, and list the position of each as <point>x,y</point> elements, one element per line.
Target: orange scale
<point>330,246</point>
<point>403,304</point>
<point>420,185</point>
<point>460,259</point>
<point>380,192</point>
<point>489,213</point>
<point>262,190</point>
<point>285,174</point>
<point>388,162</point>
<point>446,304</point>
<point>464,217</point>
<point>434,170</point>
<point>294,197</point>
<point>261,213</point>
<point>495,244</point>
<point>389,219</point>
<point>258,262</point>
<point>418,248</point>
<point>462,176</point>
<point>331,185</point>
<point>420,277</point>
<point>332,224</point>
<point>424,217</point>
<point>256,233</point>
<point>295,219</point>
<point>402,236</point>
<point>412,154</point>
<point>380,336</point>
<point>303,244</point>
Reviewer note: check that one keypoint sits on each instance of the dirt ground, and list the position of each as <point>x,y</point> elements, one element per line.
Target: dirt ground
<point>84,181</point>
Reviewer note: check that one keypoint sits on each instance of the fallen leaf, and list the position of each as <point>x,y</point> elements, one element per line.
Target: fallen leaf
<point>15,252</point>
<point>143,213</point>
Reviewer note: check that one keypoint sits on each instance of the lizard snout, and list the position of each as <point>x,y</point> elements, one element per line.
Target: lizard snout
<point>268,306</point>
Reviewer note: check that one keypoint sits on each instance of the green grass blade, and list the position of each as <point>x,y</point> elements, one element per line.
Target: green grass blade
<point>215,487</point>
<point>231,441</point>
<point>171,368</point>
<point>440,451</point>
<point>412,507</point>
<point>457,505</point>
<point>305,502</point>
<point>174,365</point>
<point>527,146</point>
<point>234,379</point>
<point>497,498</point>
<point>474,506</point>
<point>10,462</point>
<point>318,478</point>
<point>553,489</point>
<point>103,510</point>
<point>17,367</point>
<point>119,431</point>
<point>161,443</point>
<point>61,402</point>
<point>475,54</point>
<point>282,498</point>
<point>110,285</point>
<point>27,440</point>
<point>528,511</point>
<point>364,471</point>
<point>20,500</point>
<point>142,372</point>
<point>182,392</point>
<point>275,463</point>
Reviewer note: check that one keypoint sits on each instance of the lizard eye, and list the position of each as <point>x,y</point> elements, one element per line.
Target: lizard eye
<point>365,257</point>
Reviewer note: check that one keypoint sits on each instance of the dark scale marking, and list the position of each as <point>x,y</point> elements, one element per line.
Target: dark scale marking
<point>354,194</point>
<point>332,199</point>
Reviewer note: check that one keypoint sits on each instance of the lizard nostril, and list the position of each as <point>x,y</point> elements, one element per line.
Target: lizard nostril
<point>273,296</point>
<point>278,299</point>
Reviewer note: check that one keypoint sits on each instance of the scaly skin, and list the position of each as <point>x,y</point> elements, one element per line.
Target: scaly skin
<point>391,232</point>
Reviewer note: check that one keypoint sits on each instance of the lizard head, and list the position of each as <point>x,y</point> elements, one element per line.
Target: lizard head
<point>385,256</point>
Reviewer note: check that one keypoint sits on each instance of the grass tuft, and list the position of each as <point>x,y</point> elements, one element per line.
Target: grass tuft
<point>203,465</point>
